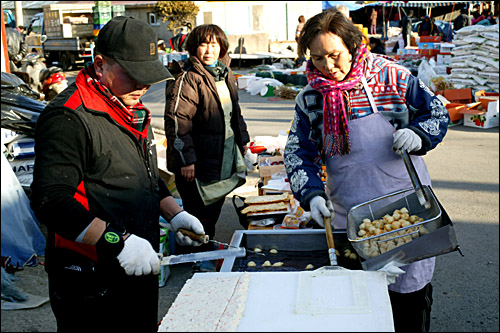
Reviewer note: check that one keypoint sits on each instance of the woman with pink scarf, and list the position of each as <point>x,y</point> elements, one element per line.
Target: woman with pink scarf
<point>355,116</point>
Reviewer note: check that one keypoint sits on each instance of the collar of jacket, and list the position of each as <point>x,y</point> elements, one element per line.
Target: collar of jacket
<point>219,71</point>
<point>194,64</point>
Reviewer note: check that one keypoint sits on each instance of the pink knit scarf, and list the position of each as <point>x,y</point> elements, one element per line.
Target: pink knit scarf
<point>335,117</point>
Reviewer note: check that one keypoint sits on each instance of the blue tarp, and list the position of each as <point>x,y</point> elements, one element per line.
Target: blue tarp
<point>352,5</point>
<point>22,239</point>
<point>443,26</point>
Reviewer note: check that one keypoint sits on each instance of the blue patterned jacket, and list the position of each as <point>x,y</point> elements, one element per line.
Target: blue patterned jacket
<point>401,97</point>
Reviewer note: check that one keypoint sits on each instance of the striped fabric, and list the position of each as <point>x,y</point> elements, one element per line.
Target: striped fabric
<point>388,89</point>
<point>422,4</point>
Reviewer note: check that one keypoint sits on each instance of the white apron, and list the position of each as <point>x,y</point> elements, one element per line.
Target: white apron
<point>370,170</point>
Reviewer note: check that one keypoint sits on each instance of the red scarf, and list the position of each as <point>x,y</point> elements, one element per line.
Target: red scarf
<point>335,117</point>
<point>96,96</point>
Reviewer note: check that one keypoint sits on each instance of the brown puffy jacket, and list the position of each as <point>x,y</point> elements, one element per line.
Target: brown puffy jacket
<point>200,120</point>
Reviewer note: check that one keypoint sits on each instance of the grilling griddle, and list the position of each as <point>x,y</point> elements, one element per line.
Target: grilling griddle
<point>296,249</point>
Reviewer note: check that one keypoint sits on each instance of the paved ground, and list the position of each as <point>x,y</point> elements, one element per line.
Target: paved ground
<point>465,174</point>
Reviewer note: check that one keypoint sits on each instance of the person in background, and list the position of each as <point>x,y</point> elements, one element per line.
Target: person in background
<point>476,12</point>
<point>300,60</point>
<point>344,10</point>
<point>178,42</point>
<point>16,46</point>
<point>355,116</point>
<point>427,27</point>
<point>97,187</point>
<point>406,25</point>
<point>302,20</point>
<point>206,133</point>
<point>461,20</point>
<point>373,22</point>
<point>486,18</point>
<point>376,46</point>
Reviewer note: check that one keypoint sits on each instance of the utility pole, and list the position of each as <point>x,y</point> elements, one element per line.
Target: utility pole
<point>19,13</point>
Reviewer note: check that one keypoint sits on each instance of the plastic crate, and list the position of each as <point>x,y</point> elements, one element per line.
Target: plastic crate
<point>264,74</point>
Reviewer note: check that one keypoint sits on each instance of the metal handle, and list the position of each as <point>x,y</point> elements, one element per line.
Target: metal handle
<point>419,190</point>
<point>329,240</point>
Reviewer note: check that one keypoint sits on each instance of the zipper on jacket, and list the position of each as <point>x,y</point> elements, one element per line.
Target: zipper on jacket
<point>147,158</point>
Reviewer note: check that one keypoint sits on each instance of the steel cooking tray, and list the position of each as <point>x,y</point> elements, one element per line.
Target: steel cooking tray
<point>296,249</point>
<point>440,238</point>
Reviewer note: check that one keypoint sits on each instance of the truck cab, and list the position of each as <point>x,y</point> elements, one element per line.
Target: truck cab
<point>62,34</point>
<point>36,24</point>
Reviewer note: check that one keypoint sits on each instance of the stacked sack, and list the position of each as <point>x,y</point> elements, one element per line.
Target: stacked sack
<point>475,58</point>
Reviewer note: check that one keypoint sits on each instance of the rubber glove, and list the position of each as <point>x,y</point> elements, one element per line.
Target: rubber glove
<point>321,208</point>
<point>138,257</point>
<point>187,221</point>
<point>406,139</point>
<point>392,271</point>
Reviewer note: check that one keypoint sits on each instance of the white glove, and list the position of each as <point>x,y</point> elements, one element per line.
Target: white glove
<point>321,208</point>
<point>392,271</point>
<point>187,221</point>
<point>406,139</point>
<point>138,257</point>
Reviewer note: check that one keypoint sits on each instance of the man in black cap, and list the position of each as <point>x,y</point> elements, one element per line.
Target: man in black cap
<point>97,187</point>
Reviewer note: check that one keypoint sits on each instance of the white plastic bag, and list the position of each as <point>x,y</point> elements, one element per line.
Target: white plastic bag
<point>251,160</point>
<point>425,72</point>
<point>257,86</point>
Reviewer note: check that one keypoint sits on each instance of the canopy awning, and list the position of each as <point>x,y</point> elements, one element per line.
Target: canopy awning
<point>351,5</point>
<point>421,4</point>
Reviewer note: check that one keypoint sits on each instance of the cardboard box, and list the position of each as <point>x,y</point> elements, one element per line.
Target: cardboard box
<point>478,117</point>
<point>408,50</point>
<point>428,46</point>
<point>23,169</point>
<point>454,111</point>
<point>167,176</point>
<point>428,52</point>
<point>485,97</point>
<point>430,39</point>
<point>269,165</point>
<point>461,96</point>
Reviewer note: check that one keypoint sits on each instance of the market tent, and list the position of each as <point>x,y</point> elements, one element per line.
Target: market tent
<point>22,239</point>
<point>422,4</point>
<point>352,5</point>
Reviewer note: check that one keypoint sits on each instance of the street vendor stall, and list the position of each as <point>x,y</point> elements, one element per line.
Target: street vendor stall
<point>283,301</point>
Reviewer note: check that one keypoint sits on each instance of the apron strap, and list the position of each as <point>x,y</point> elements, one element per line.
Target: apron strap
<point>369,94</point>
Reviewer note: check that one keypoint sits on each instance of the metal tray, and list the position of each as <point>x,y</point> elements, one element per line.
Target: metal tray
<point>296,248</point>
<point>440,238</point>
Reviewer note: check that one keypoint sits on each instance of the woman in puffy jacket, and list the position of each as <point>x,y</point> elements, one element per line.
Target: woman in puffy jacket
<point>206,134</point>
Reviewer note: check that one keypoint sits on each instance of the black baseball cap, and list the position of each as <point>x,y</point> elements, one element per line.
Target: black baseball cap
<point>133,44</point>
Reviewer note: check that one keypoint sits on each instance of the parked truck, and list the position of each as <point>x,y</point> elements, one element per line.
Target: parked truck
<point>64,33</point>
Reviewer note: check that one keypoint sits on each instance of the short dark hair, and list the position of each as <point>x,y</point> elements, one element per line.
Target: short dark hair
<point>302,18</point>
<point>201,34</point>
<point>109,60</point>
<point>375,41</point>
<point>330,21</point>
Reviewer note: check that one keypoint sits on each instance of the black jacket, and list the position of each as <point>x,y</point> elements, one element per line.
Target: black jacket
<point>200,120</point>
<point>461,21</point>
<point>87,166</point>
<point>407,24</point>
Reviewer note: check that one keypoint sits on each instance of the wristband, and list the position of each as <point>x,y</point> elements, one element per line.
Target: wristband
<point>111,242</point>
